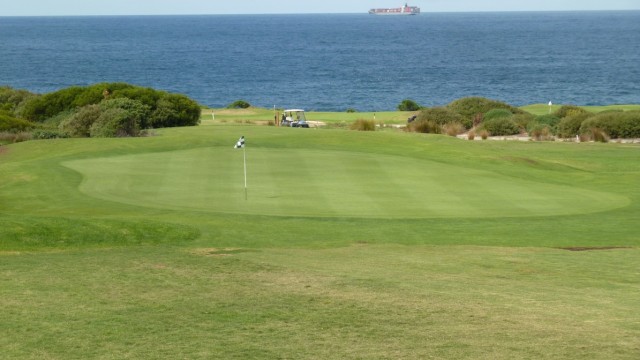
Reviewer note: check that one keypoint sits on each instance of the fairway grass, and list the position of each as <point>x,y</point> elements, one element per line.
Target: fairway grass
<point>350,245</point>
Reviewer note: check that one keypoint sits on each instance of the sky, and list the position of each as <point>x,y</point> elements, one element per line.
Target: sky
<point>181,7</point>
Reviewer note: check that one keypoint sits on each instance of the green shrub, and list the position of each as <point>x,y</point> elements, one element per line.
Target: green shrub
<point>239,104</point>
<point>549,121</point>
<point>48,134</point>
<point>541,132</point>
<point>9,123</point>
<point>569,110</point>
<point>569,126</point>
<point>136,110</point>
<point>79,124</point>
<point>470,107</point>
<point>615,125</point>
<point>10,99</point>
<point>115,122</point>
<point>363,125</point>
<point>408,105</point>
<point>168,109</point>
<point>523,120</point>
<point>147,96</point>
<point>351,110</point>
<point>594,134</point>
<point>442,116</point>
<point>174,110</point>
<point>497,113</point>
<point>500,127</point>
<point>43,107</point>
<point>55,121</point>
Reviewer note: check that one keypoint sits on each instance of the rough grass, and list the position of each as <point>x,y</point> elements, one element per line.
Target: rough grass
<point>354,302</point>
<point>543,109</point>
<point>161,270</point>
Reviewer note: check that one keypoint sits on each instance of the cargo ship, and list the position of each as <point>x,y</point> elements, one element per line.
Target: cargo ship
<point>405,10</point>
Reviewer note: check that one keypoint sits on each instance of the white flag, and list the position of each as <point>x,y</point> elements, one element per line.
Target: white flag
<point>240,143</point>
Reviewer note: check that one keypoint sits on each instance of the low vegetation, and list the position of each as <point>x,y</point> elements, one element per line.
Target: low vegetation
<point>408,105</point>
<point>239,104</point>
<point>363,125</point>
<point>100,110</point>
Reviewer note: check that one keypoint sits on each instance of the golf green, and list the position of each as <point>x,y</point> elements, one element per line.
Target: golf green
<point>321,183</point>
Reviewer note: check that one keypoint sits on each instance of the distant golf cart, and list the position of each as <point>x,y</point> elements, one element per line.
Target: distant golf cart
<point>294,118</point>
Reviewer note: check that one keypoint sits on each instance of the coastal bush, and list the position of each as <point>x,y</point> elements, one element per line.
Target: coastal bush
<point>40,108</point>
<point>497,113</point>
<point>351,110</point>
<point>569,126</point>
<point>136,110</point>
<point>569,110</point>
<point>425,127</point>
<point>363,125</point>
<point>42,134</point>
<point>441,116</point>
<point>471,135</point>
<point>164,109</point>
<point>523,120</point>
<point>174,110</point>
<point>541,132</point>
<point>500,126</point>
<point>239,104</point>
<point>616,125</point>
<point>55,121</point>
<point>115,122</point>
<point>147,96</point>
<point>79,124</point>
<point>10,99</point>
<point>549,121</point>
<point>453,129</point>
<point>470,107</point>
<point>8,123</point>
<point>409,105</point>
<point>594,134</point>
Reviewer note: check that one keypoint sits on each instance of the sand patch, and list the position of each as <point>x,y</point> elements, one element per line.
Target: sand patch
<point>219,252</point>
<point>593,248</point>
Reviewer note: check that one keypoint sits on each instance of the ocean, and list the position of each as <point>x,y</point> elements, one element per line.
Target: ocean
<point>336,62</point>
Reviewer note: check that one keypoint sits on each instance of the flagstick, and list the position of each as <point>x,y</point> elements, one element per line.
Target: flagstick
<point>244,153</point>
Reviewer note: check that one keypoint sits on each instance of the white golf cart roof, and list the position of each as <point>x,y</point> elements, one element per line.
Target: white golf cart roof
<point>294,110</point>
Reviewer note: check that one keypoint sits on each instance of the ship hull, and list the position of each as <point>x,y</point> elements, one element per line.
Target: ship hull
<point>402,11</point>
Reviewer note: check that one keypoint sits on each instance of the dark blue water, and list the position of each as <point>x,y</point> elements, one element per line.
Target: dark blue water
<point>334,62</point>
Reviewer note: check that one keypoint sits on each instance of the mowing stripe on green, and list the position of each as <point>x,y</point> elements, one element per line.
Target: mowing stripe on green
<point>322,183</point>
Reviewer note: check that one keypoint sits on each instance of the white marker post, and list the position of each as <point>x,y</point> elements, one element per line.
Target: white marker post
<point>240,144</point>
<point>550,105</point>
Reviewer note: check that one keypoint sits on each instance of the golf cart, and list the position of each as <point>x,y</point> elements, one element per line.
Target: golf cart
<point>294,118</point>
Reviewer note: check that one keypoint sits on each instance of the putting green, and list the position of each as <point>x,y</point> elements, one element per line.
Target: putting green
<point>325,183</point>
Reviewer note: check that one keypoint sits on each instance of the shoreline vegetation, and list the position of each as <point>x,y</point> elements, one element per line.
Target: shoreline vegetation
<point>124,110</point>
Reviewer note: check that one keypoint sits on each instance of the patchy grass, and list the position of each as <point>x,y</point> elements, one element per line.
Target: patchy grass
<point>542,109</point>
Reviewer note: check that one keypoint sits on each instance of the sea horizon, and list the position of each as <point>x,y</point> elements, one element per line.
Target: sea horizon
<point>333,62</point>
<point>320,13</point>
